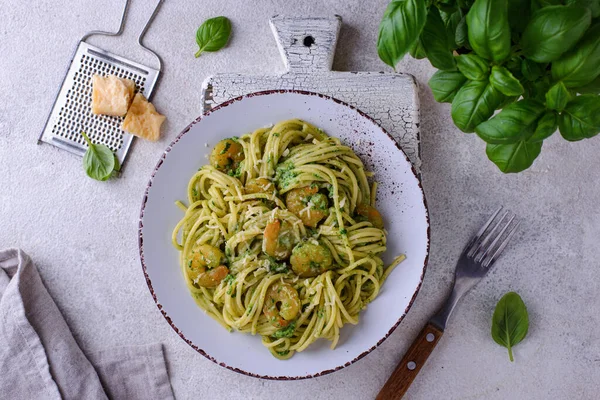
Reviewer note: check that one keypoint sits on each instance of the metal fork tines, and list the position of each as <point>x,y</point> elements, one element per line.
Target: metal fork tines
<point>478,256</point>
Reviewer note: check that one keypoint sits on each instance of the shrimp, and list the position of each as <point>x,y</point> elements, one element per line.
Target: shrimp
<point>227,156</point>
<point>308,204</point>
<point>282,304</point>
<point>311,258</point>
<point>371,214</point>
<point>278,239</point>
<point>260,185</point>
<point>204,266</point>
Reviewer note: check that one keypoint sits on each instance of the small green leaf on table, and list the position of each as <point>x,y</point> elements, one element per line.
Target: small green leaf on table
<point>99,161</point>
<point>213,35</point>
<point>400,27</point>
<point>581,118</point>
<point>510,322</point>
<point>505,82</point>
<point>554,30</point>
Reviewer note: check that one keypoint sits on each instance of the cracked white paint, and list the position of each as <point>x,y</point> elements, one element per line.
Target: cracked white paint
<point>389,98</point>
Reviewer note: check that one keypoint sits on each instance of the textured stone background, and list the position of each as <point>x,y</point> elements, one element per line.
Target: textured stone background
<point>82,233</point>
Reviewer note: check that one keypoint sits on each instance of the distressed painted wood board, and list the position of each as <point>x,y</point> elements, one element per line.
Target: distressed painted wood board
<point>307,46</point>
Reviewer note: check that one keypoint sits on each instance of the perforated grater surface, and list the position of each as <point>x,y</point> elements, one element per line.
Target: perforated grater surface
<point>72,113</point>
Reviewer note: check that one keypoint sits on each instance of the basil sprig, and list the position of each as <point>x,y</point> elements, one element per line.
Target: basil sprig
<point>213,35</point>
<point>535,60</point>
<point>510,322</point>
<point>99,161</point>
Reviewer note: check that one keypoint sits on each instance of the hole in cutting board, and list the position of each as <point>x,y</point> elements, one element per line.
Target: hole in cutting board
<point>309,41</point>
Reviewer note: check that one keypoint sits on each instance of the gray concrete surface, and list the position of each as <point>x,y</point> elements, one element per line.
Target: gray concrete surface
<point>82,233</point>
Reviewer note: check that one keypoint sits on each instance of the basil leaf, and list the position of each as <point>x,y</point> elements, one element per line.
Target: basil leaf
<point>593,5</point>
<point>510,322</point>
<point>592,87</point>
<point>514,157</point>
<point>546,126</point>
<point>519,13</point>
<point>581,118</point>
<point>401,25</point>
<point>557,97</point>
<point>213,34</point>
<point>514,66</point>
<point>579,66</point>
<point>461,37</point>
<point>98,161</point>
<point>554,30</point>
<point>473,67</point>
<point>474,103</point>
<point>537,90</point>
<point>515,123</point>
<point>452,22</point>
<point>488,29</point>
<point>434,41</point>
<point>445,84</point>
<point>417,51</point>
<point>505,82</point>
<point>531,70</point>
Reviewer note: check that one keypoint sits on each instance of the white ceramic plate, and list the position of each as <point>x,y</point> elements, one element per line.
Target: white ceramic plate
<point>400,201</point>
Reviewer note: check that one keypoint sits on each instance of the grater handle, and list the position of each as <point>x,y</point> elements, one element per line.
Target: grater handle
<point>117,33</point>
<point>143,33</point>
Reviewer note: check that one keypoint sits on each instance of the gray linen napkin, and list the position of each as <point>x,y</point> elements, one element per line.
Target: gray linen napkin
<point>39,358</point>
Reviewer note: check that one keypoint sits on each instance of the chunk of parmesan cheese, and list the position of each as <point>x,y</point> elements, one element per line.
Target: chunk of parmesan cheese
<point>111,95</point>
<point>142,120</point>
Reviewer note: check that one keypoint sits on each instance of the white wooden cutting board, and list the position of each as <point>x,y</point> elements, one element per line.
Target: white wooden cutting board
<point>307,47</point>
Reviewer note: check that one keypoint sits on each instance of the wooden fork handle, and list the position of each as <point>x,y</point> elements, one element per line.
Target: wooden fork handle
<point>404,374</point>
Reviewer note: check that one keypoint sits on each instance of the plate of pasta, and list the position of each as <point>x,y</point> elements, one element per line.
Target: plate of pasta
<point>284,234</point>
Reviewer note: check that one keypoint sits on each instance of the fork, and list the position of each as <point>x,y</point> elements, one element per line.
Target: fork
<point>478,256</point>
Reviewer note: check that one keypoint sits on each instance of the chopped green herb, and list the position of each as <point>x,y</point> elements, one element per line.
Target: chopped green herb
<point>229,279</point>
<point>343,231</point>
<point>286,332</point>
<point>277,267</point>
<point>283,353</point>
<point>194,192</point>
<point>321,313</point>
<point>249,309</point>
<point>276,134</point>
<point>227,146</point>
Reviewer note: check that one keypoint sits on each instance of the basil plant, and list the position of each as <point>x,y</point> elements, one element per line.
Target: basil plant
<point>537,61</point>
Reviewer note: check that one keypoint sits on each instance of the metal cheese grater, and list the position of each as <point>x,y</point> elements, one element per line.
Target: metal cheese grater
<point>72,113</point>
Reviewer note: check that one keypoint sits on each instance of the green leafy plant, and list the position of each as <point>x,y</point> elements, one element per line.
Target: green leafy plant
<point>510,322</point>
<point>537,61</point>
<point>213,34</point>
<point>99,161</point>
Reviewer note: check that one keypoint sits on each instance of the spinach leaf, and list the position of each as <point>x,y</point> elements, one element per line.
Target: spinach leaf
<point>593,5</point>
<point>434,41</point>
<point>213,34</point>
<point>510,322</point>
<point>546,126</point>
<point>557,97</point>
<point>488,29</point>
<point>445,84</point>
<point>417,51</point>
<point>474,103</point>
<point>516,122</point>
<point>513,157</point>
<point>461,37</point>
<point>554,30</point>
<point>401,25</point>
<point>473,67</point>
<point>531,70</point>
<point>579,66</point>
<point>519,13</point>
<point>505,82</point>
<point>581,118</point>
<point>99,161</point>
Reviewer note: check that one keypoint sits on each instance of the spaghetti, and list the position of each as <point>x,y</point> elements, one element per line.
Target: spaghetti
<point>281,237</point>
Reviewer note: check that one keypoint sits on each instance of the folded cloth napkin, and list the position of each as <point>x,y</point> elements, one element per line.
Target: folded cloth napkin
<point>39,358</point>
